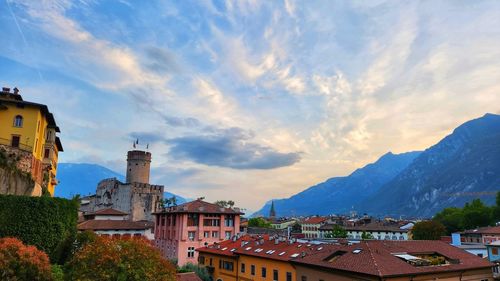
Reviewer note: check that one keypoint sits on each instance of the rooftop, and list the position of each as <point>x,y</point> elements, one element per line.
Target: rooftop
<point>314,220</point>
<point>264,246</point>
<point>114,225</point>
<point>199,206</point>
<point>107,212</point>
<point>483,230</point>
<point>393,258</point>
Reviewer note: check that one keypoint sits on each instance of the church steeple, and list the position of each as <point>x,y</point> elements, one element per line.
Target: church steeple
<point>272,212</point>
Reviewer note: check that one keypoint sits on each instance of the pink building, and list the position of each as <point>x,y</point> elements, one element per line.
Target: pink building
<point>179,230</point>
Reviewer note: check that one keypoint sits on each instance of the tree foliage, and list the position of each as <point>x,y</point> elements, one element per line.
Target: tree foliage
<point>44,222</point>
<point>428,230</point>
<point>225,204</point>
<point>473,214</point>
<point>259,222</point>
<point>200,271</point>
<point>337,232</point>
<point>21,262</point>
<point>119,259</point>
<point>367,236</point>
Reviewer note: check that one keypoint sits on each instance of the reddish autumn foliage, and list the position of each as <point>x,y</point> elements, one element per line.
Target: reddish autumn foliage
<point>119,259</point>
<point>21,262</point>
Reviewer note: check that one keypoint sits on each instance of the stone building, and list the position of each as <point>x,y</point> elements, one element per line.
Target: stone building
<point>135,197</point>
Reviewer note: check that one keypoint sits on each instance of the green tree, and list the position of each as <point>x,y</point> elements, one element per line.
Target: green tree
<point>259,222</point>
<point>476,214</point>
<point>201,271</point>
<point>337,232</point>
<point>428,230</point>
<point>451,218</point>
<point>495,212</point>
<point>224,203</point>
<point>367,236</point>
<point>120,260</point>
<point>296,228</point>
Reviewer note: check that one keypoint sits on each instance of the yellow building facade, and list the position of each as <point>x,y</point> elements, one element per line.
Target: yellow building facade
<point>250,259</point>
<point>29,130</point>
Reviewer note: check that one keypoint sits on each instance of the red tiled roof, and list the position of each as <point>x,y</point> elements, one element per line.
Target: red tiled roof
<point>199,206</point>
<point>114,224</point>
<point>484,230</point>
<point>314,220</point>
<point>107,212</point>
<point>188,276</point>
<point>260,246</point>
<point>377,258</point>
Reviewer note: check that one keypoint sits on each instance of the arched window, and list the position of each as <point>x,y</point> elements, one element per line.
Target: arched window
<point>18,121</point>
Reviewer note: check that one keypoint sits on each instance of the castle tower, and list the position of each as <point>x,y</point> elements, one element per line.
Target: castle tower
<point>138,164</point>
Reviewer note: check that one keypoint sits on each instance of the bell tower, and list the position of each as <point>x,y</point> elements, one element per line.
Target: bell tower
<point>138,166</point>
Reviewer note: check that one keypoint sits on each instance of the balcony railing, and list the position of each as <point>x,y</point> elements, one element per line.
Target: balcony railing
<point>20,146</point>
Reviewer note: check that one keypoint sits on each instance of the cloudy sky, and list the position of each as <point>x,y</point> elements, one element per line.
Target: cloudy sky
<point>252,100</point>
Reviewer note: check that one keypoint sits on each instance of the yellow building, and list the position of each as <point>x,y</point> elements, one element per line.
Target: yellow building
<point>28,130</point>
<point>250,258</point>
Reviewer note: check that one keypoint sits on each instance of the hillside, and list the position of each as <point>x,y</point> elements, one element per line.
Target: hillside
<point>340,194</point>
<point>462,166</point>
<point>82,178</point>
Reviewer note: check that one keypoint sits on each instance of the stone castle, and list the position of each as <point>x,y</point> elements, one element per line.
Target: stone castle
<point>136,196</point>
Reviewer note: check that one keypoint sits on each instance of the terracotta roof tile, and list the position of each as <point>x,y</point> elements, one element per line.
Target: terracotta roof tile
<point>188,276</point>
<point>314,220</point>
<point>484,230</point>
<point>107,212</point>
<point>261,246</point>
<point>114,224</point>
<point>199,206</point>
<point>377,258</point>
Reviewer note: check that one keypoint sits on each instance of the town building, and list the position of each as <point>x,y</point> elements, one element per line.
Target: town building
<point>378,231</point>
<point>136,197</point>
<point>114,223</point>
<point>477,249</point>
<point>179,230</point>
<point>28,134</point>
<point>310,227</point>
<point>253,257</point>
<point>392,260</point>
<point>493,250</point>
<point>282,223</point>
<point>483,235</point>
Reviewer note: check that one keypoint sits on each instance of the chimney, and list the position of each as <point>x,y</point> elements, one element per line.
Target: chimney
<point>276,241</point>
<point>16,91</point>
<point>6,89</point>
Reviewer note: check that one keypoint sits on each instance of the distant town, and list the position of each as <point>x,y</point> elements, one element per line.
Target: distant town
<point>200,240</point>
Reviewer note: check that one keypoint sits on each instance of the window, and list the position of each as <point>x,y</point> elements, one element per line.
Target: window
<point>494,251</point>
<point>191,235</point>
<point>211,263</point>
<point>242,268</point>
<point>303,278</point>
<point>264,272</point>
<point>191,252</point>
<point>215,234</point>
<point>201,260</point>
<point>228,265</point>
<point>192,220</point>
<point>229,220</point>
<point>275,275</point>
<point>252,269</point>
<point>288,276</point>
<point>18,121</point>
<point>15,141</point>
<point>228,235</point>
<point>206,234</point>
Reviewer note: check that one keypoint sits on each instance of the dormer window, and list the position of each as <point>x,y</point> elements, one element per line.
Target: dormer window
<point>18,121</point>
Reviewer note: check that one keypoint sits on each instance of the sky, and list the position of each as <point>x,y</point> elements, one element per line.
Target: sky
<point>252,100</point>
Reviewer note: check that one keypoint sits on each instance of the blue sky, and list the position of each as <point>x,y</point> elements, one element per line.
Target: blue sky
<point>252,100</point>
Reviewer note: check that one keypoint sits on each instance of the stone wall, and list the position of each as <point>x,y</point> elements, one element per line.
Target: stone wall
<point>16,172</point>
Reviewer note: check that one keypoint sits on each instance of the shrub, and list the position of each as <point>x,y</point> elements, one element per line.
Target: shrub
<point>44,222</point>
<point>21,262</point>
<point>119,259</point>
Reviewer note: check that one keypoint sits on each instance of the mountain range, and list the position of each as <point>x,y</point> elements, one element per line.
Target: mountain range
<point>82,178</point>
<point>462,166</point>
